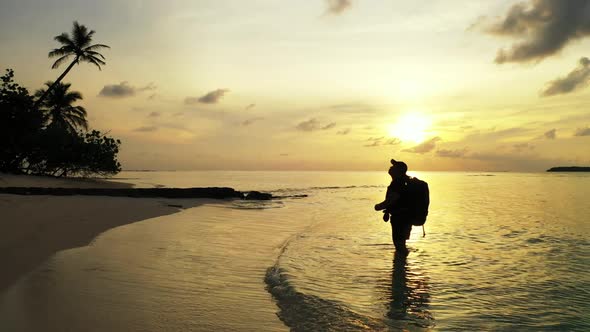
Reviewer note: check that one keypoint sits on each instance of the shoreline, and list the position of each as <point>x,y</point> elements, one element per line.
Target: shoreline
<point>36,227</point>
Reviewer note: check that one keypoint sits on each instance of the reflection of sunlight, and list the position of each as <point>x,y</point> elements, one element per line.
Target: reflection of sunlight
<point>410,127</point>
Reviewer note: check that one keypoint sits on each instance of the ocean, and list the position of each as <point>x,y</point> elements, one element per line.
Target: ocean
<point>502,252</point>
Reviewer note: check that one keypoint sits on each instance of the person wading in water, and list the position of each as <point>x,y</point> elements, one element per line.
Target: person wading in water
<point>396,207</point>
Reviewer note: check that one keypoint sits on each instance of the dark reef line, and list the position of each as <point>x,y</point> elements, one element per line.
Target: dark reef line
<point>213,192</point>
<point>569,169</point>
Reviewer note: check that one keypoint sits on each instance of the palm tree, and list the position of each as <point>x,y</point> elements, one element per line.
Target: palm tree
<point>78,46</point>
<point>58,107</point>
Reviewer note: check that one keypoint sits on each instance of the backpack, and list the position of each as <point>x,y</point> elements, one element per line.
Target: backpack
<point>419,198</point>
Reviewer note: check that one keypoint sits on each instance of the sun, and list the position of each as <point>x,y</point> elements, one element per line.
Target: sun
<point>410,127</point>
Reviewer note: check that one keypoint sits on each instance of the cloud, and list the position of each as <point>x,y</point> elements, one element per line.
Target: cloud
<point>123,90</point>
<point>582,132</point>
<point>492,135</point>
<point>379,141</point>
<point>154,114</point>
<point>313,124</point>
<point>575,80</point>
<point>374,141</point>
<point>150,87</point>
<point>337,7</point>
<point>353,108</point>
<point>392,141</point>
<point>551,134</point>
<point>425,146</point>
<point>212,97</point>
<point>146,129</point>
<point>451,153</point>
<point>544,28</point>
<point>329,126</point>
<point>191,100</point>
<point>521,147</point>
<point>309,125</point>
<point>250,106</point>
<point>250,121</point>
<point>372,145</point>
<point>344,131</point>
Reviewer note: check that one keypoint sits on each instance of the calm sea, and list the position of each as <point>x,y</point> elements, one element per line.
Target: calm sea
<point>502,252</point>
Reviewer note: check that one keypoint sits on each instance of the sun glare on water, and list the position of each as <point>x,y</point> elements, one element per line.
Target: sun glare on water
<point>410,127</point>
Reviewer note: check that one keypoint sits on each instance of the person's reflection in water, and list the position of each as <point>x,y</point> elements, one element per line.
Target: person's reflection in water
<point>410,297</point>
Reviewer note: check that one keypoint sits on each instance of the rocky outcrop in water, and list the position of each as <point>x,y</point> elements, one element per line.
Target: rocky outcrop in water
<point>257,195</point>
<point>569,169</point>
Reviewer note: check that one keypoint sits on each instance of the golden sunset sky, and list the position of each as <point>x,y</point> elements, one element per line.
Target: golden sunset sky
<point>323,85</point>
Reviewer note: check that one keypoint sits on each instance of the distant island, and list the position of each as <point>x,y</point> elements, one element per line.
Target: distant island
<point>569,169</point>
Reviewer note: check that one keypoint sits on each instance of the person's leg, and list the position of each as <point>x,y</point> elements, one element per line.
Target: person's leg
<point>400,247</point>
<point>399,236</point>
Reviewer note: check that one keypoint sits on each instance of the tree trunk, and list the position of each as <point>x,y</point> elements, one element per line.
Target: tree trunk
<point>40,100</point>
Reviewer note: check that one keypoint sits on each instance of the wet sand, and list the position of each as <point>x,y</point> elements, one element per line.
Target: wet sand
<point>35,227</point>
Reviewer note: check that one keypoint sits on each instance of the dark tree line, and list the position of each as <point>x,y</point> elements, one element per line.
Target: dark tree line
<point>45,132</point>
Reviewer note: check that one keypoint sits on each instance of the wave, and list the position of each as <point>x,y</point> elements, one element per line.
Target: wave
<point>303,312</point>
<point>255,205</point>
<point>307,189</point>
<point>328,188</point>
<point>406,299</point>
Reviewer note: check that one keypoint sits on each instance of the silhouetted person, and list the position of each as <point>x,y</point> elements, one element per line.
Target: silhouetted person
<point>396,205</point>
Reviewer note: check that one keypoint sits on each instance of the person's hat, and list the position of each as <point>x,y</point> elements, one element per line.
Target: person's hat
<point>399,165</point>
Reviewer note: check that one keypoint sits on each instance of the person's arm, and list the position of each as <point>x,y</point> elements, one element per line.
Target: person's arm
<point>390,198</point>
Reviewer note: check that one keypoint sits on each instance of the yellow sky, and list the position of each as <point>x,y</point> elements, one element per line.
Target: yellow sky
<point>266,84</point>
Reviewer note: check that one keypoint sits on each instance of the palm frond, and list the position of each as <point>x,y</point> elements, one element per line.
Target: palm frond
<point>59,52</point>
<point>89,57</point>
<point>93,60</point>
<point>78,31</point>
<point>61,88</point>
<point>83,123</point>
<point>69,126</point>
<point>76,118</point>
<point>75,112</point>
<point>88,38</point>
<point>96,47</point>
<point>82,37</point>
<point>71,97</point>
<point>41,91</point>
<point>64,39</point>
<point>78,115</point>
<point>78,111</point>
<point>95,54</point>
<point>59,109</point>
<point>59,61</point>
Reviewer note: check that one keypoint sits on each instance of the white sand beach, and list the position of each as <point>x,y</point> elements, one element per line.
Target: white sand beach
<point>199,270</point>
<point>35,227</point>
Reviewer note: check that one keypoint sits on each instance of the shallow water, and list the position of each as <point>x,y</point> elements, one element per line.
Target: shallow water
<point>503,251</point>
